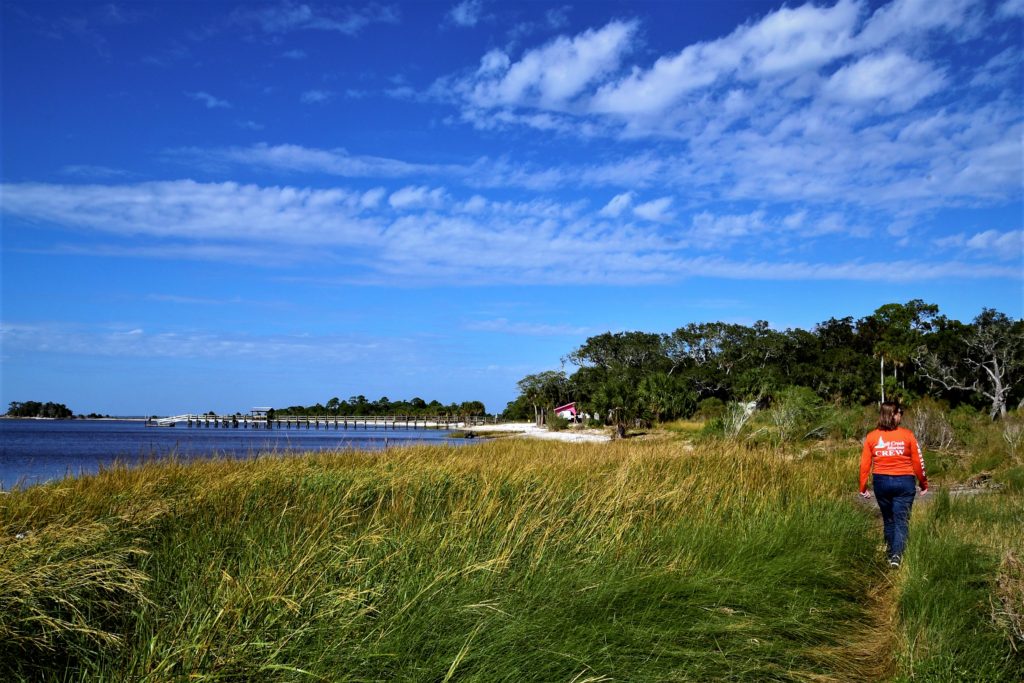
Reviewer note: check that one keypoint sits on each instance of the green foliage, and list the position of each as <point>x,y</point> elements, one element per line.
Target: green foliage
<point>544,391</point>
<point>710,409</point>
<point>37,409</point>
<point>518,410</point>
<point>849,422</point>
<point>556,423</point>
<point>360,406</point>
<point>637,375</point>
<point>713,428</point>
<point>797,413</point>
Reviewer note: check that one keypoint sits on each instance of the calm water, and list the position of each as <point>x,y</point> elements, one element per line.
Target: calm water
<point>34,451</point>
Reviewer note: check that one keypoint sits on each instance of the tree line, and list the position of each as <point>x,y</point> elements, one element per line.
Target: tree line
<point>360,406</point>
<point>900,351</point>
<point>37,409</point>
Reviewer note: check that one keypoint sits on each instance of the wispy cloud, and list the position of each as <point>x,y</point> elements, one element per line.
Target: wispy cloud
<point>467,13</point>
<point>417,198</point>
<point>93,172</point>
<point>504,326</point>
<point>209,100</point>
<point>655,210</point>
<point>296,158</point>
<point>1011,8</point>
<point>1005,246</point>
<point>193,300</point>
<point>422,234</point>
<point>286,17</point>
<point>617,205</point>
<point>133,342</point>
<point>315,96</point>
<point>549,77</point>
<point>808,103</point>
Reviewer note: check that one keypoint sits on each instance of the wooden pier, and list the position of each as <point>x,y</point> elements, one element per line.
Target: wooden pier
<point>337,422</point>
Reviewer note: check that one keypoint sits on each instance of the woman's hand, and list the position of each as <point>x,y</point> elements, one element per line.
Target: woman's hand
<point>924,492</point>
<point>865,494</point>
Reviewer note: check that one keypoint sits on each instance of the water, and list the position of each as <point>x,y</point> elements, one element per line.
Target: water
<point>35,451</point>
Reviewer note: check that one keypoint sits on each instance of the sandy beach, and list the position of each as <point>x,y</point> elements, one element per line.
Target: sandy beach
<point>530,430</point>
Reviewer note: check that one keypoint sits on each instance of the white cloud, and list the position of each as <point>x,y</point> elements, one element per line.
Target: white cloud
<point>1004,246</point>
<point>316,96</point>
<point>294,54</point>
<point>337,162</point>
<point>288,16</point>
<point>417,197</point>
<point>711,230</point>
<point>119,341</point>
<point>209,100</point>
<point>371,199</point>
<point>808,103</point>
<point>414,236</point>
<point>617,205</point>
<point>466,13</point>
<point>898,80</point>
<point>552,75</point>
<point>504,326</point>
<point>655,210</point>
<point>785,41</point>
<point>93,172</point>
<point>187,210</point>
<point>475,204</point>
<point>902,18</point>
<point>1011,8</point>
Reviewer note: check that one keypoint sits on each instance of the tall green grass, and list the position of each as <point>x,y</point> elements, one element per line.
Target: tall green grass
<point>507,561</point>
<point>956,622</point>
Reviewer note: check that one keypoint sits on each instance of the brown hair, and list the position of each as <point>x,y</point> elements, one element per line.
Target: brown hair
<point>887,415</point>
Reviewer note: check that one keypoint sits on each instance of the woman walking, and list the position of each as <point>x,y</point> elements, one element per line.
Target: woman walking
<point>892,454</point>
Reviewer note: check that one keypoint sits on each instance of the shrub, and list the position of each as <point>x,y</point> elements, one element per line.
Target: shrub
<point>849,422</point>
<point>709,409</point>
<point>736,417</point>
<point>712,429</point>
<point>796,414</point>
<point>929,421</point>
<point>556,423</point>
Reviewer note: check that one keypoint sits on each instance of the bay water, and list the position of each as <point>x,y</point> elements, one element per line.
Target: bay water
<point>35,451</point>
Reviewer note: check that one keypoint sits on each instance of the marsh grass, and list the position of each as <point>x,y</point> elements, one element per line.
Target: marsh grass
<point>961,591</point>
<point>509,561</point>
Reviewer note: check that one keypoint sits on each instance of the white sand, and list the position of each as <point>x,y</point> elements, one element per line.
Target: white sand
<point>528,429</point>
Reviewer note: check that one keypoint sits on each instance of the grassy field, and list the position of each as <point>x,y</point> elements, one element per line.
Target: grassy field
<point>506,561</point>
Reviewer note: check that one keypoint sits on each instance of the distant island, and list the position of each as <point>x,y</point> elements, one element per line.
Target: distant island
<point>57,411</point>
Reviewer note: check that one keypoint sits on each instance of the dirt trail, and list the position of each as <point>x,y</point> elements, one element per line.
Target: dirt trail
<point>868,651</point>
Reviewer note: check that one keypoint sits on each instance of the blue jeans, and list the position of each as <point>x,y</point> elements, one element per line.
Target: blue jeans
<point>895,495</point>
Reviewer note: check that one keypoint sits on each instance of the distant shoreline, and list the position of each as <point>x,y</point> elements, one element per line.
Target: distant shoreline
<point>77,419</point>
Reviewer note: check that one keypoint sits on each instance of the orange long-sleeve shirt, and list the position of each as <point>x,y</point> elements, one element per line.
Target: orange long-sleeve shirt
<point>892,452</point>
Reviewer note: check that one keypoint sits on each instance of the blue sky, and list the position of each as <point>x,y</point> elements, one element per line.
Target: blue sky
<point>222,205</point>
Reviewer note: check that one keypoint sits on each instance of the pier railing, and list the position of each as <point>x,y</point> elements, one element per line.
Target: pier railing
<point>207,421</point>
